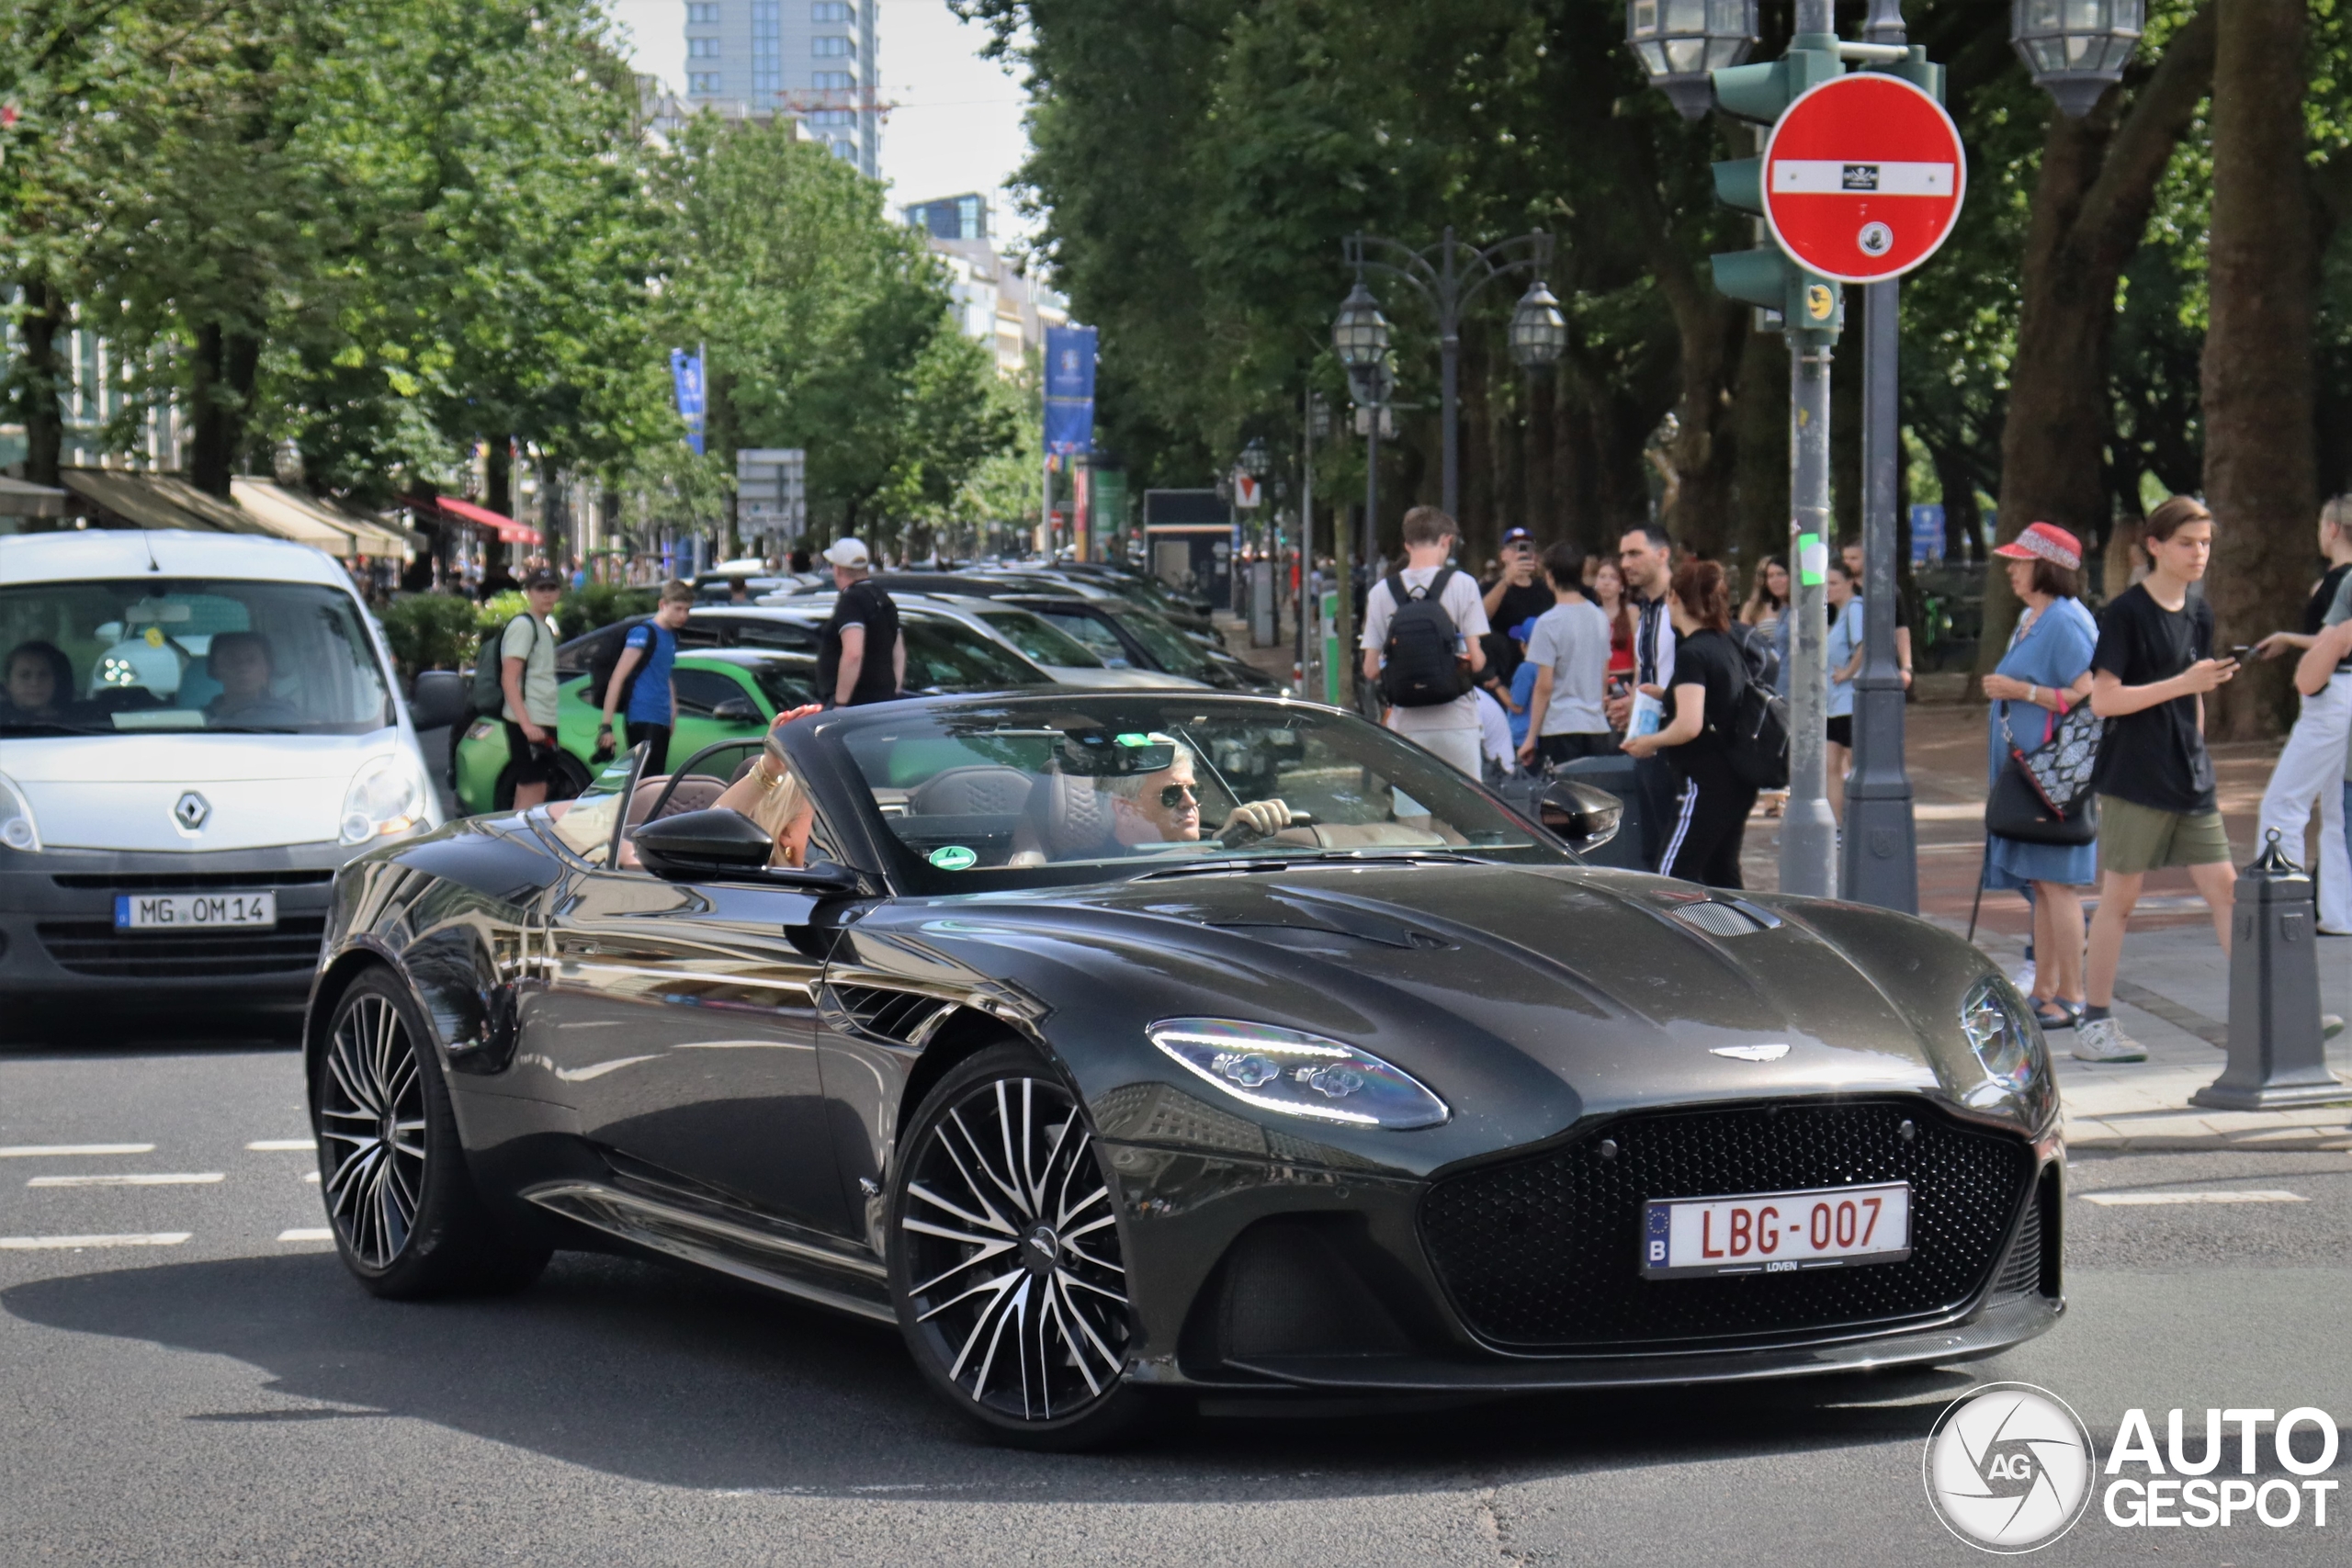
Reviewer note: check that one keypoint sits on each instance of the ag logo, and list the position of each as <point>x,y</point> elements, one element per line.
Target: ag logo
<point>2009,1469</point>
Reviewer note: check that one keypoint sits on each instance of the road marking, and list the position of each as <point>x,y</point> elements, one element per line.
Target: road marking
<point>2242,1195</point>
<point>282,1145</point>
<point>196,1179</point>
<point>42,1243</point>
<point>58,1151</point>
<point>322,1234</point>
<point>311,1177</point>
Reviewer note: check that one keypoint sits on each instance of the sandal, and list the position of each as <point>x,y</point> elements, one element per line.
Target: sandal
<point>2051,1013</point>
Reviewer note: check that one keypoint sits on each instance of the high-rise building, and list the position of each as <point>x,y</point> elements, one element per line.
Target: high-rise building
<point>997,302</point>
<point>817,60</point>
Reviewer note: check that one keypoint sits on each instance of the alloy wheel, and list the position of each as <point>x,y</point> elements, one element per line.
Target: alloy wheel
<point>1012,1252</point>
<point>371,1131</point>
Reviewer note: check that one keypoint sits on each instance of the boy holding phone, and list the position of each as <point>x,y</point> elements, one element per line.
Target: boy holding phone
<point>2149,674</point>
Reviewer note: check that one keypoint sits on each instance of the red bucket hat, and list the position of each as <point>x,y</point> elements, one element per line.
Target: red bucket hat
<point>2044,541</point>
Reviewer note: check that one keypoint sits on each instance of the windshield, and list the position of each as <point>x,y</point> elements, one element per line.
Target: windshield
<point>1040,639</point>
<point>1170,648</point>
<point>1036,790</point>
<point>144,654</point>
<point>944,656</point>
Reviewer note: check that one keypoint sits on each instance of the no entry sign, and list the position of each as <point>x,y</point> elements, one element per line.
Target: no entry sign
<point>1864,178</point>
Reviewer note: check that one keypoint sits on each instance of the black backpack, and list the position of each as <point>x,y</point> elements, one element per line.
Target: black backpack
<point>487,698</point>
<point>607,659</point>
<point>1423,669</point>
<point>1756,743</point>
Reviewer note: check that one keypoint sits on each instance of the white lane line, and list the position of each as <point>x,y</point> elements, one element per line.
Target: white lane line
<point>282,1145</point>
<point>2241,1195</point>
<point>160,1179</point>
<point>44,1243</point>
<point>320,1234</point>
<point>311,1177</point>
<point>59,1150</point>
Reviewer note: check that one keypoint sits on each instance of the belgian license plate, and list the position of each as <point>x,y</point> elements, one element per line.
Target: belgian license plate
<point>199,911</point>
<point>1776,1233</point>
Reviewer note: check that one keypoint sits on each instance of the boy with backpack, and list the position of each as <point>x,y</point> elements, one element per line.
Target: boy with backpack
<point>639,685</point>
<point>527,682</point>
<point>1421,627</point>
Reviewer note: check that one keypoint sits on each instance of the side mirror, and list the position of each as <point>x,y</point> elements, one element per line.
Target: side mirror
<point>724,843</point>
<point>735,710</point>
<point>440,700</point>
<point>1581,816</point>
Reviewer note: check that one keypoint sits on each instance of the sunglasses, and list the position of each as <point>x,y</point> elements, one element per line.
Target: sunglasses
<point>1173,795</point>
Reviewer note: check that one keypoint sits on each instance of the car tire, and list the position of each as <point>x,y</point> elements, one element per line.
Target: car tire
<point>400,1199</point>
<point>1010,1286</point>
<point>571,778</point>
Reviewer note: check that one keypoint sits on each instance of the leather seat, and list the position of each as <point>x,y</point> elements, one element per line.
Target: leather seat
<point>697,792</point>
<point>981,790</point>
<point>1071,815</point>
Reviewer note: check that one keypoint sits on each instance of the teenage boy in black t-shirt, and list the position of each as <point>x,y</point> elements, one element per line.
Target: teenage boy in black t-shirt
<point>2149,674</point>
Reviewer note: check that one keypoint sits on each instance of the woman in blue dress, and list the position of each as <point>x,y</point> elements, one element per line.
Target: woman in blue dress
<point>2046,671</point>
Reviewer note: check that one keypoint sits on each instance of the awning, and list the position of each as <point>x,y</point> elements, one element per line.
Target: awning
<point>336,529</point>
<point>18,499</point>
<point>158,501</point>
<point>509,532</point>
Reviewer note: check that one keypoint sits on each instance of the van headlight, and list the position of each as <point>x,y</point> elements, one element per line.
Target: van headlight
<point>17,830</point>
<point>1293,1074</point>
<point>387,796</point>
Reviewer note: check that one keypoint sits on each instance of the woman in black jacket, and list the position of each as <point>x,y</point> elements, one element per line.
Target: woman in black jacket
<point>1702,840</point>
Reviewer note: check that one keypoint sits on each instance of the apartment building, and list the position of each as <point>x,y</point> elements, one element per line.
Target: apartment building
<point>995,302</point>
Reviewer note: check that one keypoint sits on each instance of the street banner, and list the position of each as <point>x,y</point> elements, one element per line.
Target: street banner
<point>686,376</point>
<point>1070,389</point>
<point>1864,178</point>
<point>1927,534</point>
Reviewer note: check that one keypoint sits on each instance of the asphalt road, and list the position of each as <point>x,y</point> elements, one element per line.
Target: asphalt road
<point>231,1397</point>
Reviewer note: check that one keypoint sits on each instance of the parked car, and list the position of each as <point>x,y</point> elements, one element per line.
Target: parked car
<point>1061,656</point>
<point>195,731</point>
<point>1109,1083</point>
<point>1114,629</point>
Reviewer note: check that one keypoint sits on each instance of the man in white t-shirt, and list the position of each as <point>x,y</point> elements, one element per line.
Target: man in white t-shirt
<point>1566,718</point>
<point>1449,729</point>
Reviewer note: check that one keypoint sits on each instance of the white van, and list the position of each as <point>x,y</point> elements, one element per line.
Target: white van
<point>195,731</point>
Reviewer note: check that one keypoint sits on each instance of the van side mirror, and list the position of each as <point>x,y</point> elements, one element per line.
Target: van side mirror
<point>440,700</point>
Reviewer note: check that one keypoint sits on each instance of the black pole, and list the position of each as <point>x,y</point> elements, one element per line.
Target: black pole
<point>1449,340</point>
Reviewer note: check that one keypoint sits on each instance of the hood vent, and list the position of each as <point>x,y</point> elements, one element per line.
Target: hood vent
<point>1724,920</point>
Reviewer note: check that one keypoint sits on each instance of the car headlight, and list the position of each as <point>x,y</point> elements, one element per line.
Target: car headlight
<point>17,830</point>
<point>386,797</point>
<point>1298,1075</point>
<point>2006,1038</point>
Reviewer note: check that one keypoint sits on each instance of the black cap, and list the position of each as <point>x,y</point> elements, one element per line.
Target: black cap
<point>542,577</point>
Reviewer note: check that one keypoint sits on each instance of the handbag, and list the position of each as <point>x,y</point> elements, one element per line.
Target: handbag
<point>2043,797</point>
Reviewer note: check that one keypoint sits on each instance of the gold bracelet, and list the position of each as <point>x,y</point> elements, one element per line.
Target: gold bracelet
<point>766,781</point>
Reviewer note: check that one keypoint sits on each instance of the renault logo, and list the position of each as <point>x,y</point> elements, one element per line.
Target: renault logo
<point>191,811</point>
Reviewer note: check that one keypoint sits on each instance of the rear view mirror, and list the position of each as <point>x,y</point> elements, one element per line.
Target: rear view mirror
<point>1581,816</point>
<point>440,700</point>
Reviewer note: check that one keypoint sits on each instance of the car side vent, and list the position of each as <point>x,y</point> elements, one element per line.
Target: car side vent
<point>901,1017</point>
<point>1719,920</point>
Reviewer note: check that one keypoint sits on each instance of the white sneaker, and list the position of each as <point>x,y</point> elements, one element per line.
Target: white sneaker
<point>2023,980</point>
<point>2103,1040</point>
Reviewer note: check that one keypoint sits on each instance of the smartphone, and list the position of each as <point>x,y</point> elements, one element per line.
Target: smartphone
<point>2241,653</point>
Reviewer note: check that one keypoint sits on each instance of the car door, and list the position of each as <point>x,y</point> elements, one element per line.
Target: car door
<point>680,1018</point>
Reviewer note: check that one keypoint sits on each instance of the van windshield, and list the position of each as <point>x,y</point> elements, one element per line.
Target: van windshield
<point>144,654</point>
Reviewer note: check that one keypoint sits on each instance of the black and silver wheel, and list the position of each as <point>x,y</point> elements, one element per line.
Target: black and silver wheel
<point>398,1195</point>
<point>1005,1260</point>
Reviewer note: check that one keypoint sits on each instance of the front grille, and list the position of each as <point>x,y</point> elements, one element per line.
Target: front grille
<point>1543,1253</point>
<point>96,948</point>
<point>192,881</point>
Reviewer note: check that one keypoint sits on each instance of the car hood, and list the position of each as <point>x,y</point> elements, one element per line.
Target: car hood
<point>118,792</point>
<point>1470,975</point>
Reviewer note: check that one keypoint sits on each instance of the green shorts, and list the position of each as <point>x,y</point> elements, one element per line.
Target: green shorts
<point>2133,838</point>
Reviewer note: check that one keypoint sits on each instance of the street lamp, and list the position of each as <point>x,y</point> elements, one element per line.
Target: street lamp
<point>1360,335</point>
<point>1254,460</point>
<point>2076,49</point>
<point>1679,42</point>
<point>1539,332</point>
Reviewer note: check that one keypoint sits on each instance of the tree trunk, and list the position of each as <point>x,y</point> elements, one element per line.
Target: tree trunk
<point>220,399</point>
<point>498,478</point>
<point>2090,206</point>
<point>2260,476</point>
<point>44,378</point>
<point>1761,418</point>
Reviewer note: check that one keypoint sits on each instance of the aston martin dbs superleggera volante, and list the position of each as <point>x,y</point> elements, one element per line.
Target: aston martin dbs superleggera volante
<point>1120,1044</point>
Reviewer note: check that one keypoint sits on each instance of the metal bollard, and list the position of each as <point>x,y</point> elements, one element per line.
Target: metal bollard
<point>2278,1056</point>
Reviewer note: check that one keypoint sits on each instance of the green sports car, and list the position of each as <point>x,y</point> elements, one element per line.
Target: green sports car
<point>724,693</point>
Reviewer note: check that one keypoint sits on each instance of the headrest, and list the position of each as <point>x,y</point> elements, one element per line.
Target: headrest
<point>1071,815</point>
<point>982,789</point>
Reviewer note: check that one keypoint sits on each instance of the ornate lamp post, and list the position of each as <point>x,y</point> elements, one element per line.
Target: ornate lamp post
<point>1679,42</point>
<point>1539,332</point>
<point>2076,49</point>
<point>1359,337</point>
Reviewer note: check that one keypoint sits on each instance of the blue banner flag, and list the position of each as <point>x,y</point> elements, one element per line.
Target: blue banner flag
<point>1069,427</point>
<point>685,375</point>
<point>1069,364</point>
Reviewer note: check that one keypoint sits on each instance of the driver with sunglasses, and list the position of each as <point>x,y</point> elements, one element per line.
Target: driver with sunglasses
<point>1164,807</point>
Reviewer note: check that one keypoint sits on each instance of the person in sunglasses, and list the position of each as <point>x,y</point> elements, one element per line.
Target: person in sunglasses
<point>1075,817</point>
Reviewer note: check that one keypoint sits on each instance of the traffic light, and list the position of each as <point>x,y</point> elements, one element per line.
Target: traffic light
<point>1764,277</point>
